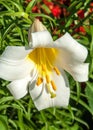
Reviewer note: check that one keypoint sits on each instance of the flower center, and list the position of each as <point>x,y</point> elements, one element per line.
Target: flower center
<point>44,59</point>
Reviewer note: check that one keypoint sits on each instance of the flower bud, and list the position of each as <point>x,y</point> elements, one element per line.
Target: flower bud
<point>36,27</point>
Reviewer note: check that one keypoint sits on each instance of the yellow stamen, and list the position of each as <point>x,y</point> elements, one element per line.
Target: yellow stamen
<point>56,70</point>
<point>47,78</point>
<point>53,85</point>
<point>44,68</point>
<point>52,94</point>
<point>39,81</point>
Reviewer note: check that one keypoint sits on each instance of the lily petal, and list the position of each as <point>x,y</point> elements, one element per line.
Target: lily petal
<point>71,48</point>
<point>19,88</point>
<point>42,98</point>
<point>40,39</point>
<point>13,64</point>
<point>71,57</point>
<point>15,53</point>
<point>79,71</point>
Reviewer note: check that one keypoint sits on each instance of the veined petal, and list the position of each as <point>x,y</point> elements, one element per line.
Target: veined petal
<point>79,71</point>
<point>71,57</point>
<point>42,98</point>
<point>40,39</point>
<point>14,53</point>
<point>19,88</point>
<point>13,72</point>
<point>14,65</point>
<point>63,90</point>
<point>71,48</point>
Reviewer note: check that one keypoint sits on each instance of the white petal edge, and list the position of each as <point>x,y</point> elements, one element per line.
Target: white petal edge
<point>71,47</point>
<point>42,99</point>
<point>79,72</point>
<point>14,53</point>
<point>13,63</point>
<point>40,39</point>
<point>17,71</point>
<point>19,88</point>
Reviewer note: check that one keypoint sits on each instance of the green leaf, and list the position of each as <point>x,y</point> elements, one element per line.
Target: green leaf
<point>81,121</point>
<point>5,5</point>
<point>82,103</point>
<point>3,123</point>
<point>69,22</point>
<point>89,94</point>
<point>30,5</point>
<point>8,29</point>
<point>46,8</point>
<point>18,5</point>
<point>6,99</point>
<point>52,128</point>
<point>44,16</point>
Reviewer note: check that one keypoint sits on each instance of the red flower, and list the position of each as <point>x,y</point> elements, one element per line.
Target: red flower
<point>81,29</point>
<point>91,7</point>
<point>35,9</point>
<point>56,11</point>
<point>80,14</point>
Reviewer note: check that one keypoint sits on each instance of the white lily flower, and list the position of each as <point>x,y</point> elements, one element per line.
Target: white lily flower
<point>39,69</point>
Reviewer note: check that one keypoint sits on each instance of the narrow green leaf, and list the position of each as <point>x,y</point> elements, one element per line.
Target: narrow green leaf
<point>5,99</point>
<point>3,123</point>
<point>8,29</point>
<point>43,15</point>
<point>69,22</point>
<point>18,5</point>
<point>30,5</point>
<point>89,94</point>
<point>46,8</point>
<point>5,5</point>
<point>13,123</point>
<point>78,91</point>
<point>82,122</point>
<point>82,103</point>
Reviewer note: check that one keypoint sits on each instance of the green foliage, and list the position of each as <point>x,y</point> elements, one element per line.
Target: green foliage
<point>3,122</point>
<point>89,94</point>
<point>15,19</point>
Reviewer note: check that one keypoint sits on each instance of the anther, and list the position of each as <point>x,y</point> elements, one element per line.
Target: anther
<point>53,85</point>
<point>47,78</point>
<point>56,70</point>
<point>39,81</point>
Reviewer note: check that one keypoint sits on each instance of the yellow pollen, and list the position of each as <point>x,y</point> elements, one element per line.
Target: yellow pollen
<point>44,68</point>
<point>47,78</point>
<point>53,85</point>
<point>56,70</point>
<point>39,81</point>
